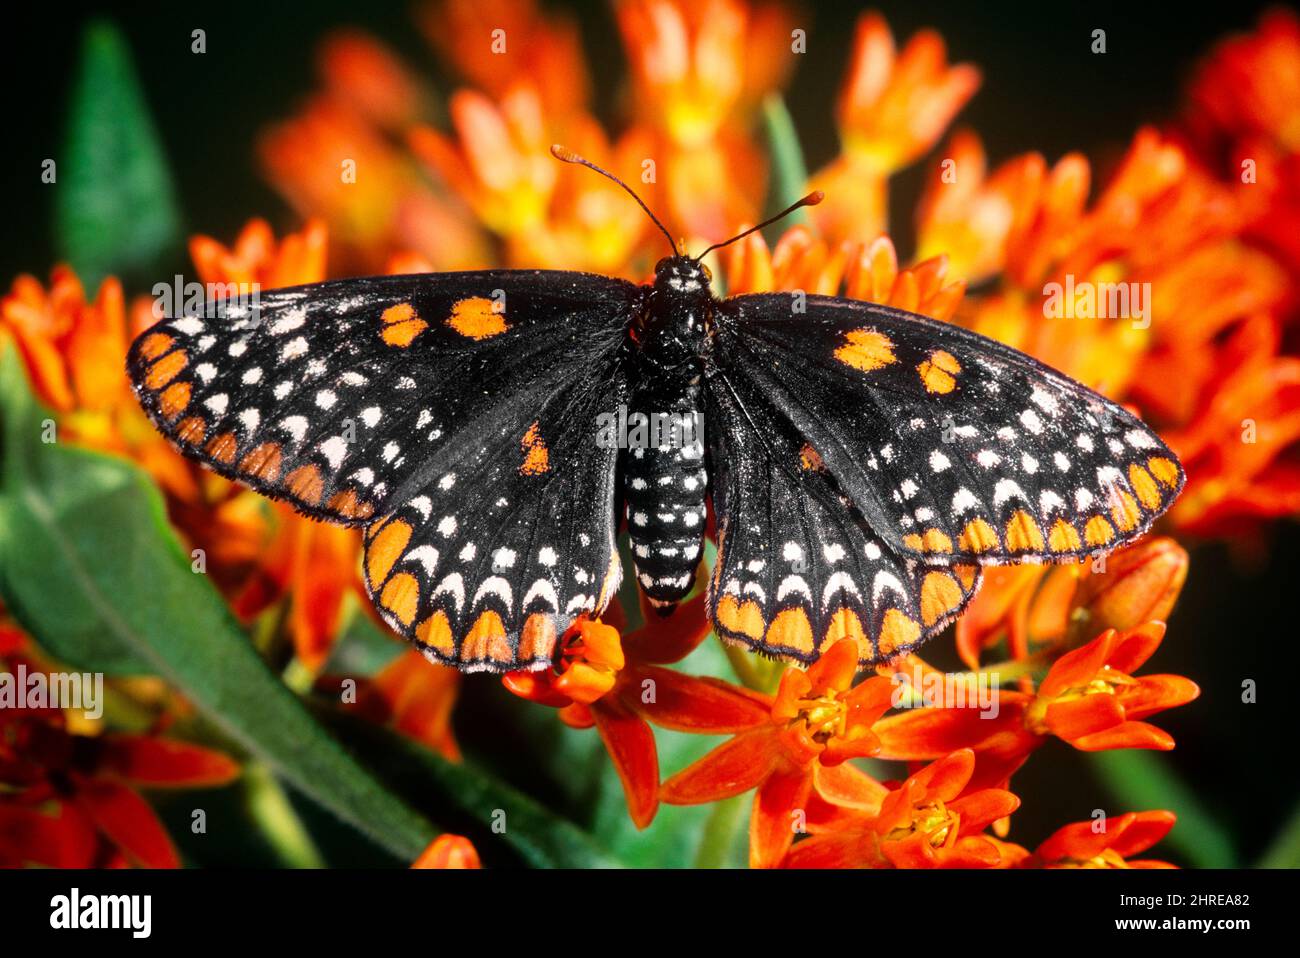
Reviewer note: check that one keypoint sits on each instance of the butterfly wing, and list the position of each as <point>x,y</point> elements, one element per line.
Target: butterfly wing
<point>954,447</point>
<point>453,414</point>
<point>798,566</point>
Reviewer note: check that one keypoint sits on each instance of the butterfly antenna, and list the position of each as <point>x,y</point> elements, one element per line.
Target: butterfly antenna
<point>568,156</point>
<point>812,199</point>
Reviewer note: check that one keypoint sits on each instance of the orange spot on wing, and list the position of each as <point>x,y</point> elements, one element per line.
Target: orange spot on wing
<point>940,594</point>
<point>435,631</point>
<point>191,430</point>
<point>222,448</point>
<point>896,631</point>
<point>164,370</point>
<point>263,462</point>
<point>866,349</point>
<point>174,399</point>
<point>810,459</point>
<point>401,596</point>
<point>537,640</point>
<point>1164,470</point>
<point>1063,537</point>
<point>1148,492</point>
<point>745,618</point>
<point>306,483</point>
<point>790,629</point>
<point>347,504</point>
<point>401,325</point>
<point>1023,534</point>
<point>385,549</point>
<point>477,318</point>
<point>978,536</point>
<point>1124,509</point>
<point>939,372</point>
<point>1098,531</point>
<point>537,458</point>
<point>154,345</point>
<point>487,640</point>
<point>845,624</point>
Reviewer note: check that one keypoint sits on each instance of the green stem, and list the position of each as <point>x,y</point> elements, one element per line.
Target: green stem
<point>270,807</point>
<point>789,172</point>
<point>720,833</point>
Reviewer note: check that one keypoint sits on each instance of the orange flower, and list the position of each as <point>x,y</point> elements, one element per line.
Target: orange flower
<point>495,43</point>
<point>448,851</point>
<point>697,67</point>
<point>860,271</point>
<point>930,821</point>
<point>1089,698</point>
<point>1036,606</point>
<point>71,800</point>
<point>816,722</point>
<point>892,109</point>
<point>619,687</point>
<point>1084,845</point>
<point>361,72</point>
<point>256,256</point>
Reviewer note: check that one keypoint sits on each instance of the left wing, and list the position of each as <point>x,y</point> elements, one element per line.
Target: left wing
<point>955,448</point>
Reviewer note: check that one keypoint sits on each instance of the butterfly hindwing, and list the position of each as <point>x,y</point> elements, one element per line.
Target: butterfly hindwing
<point>953,446</point>
<point>337,396</point>
<point>487,563</point>
<point>798,567</point>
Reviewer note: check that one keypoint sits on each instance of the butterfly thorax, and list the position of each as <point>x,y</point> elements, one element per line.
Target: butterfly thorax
<point>665,482</point>
<point>672,332</point>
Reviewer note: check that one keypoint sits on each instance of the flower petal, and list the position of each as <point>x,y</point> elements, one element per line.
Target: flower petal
<point>733,767</point>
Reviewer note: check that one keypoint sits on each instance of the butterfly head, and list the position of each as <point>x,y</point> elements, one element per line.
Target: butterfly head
<point>682,277</point>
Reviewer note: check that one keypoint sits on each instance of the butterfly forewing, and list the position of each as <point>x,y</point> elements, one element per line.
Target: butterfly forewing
<point>798,567</point>
<point>954,447</point>
<point>334,396</point>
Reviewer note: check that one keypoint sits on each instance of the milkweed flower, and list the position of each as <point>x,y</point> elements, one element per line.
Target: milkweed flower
<point>448,851</point>
<point>929,821</point>
<point>816,721</point>
<point>894,106</point>
<point>1110,843</point>
<point>71,798</point>
<point>619,685</point>
<point>1089,698</point>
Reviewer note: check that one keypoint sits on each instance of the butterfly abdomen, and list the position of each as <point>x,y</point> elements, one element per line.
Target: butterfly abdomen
<point>665,484</point>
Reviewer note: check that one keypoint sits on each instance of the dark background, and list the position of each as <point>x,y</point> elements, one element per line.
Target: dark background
<point>1043,90</point>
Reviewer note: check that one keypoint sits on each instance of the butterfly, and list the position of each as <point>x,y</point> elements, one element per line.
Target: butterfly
<point>491,432</point>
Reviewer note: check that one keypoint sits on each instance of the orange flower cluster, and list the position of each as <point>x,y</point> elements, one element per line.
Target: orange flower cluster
<point>396,180</point>
<point>69,789</point>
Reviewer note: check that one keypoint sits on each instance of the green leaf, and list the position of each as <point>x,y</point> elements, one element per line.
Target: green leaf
<point>789,172</point>
<point>1284,852</point>
<point>465,800</point>
<point>115,207</point>
<point>1142,780</point>
<point>90,566</point>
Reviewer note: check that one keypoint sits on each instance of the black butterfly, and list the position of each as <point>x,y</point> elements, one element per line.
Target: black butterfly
<point>489,429</point>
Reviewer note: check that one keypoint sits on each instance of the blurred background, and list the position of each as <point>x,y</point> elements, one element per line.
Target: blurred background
<point>1231,777</point>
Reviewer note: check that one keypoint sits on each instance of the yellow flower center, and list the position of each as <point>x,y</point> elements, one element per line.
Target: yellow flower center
<point>1107,681</point>
<point>935,821</point>
<point>1107,859</point>
<point>826,717</point>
